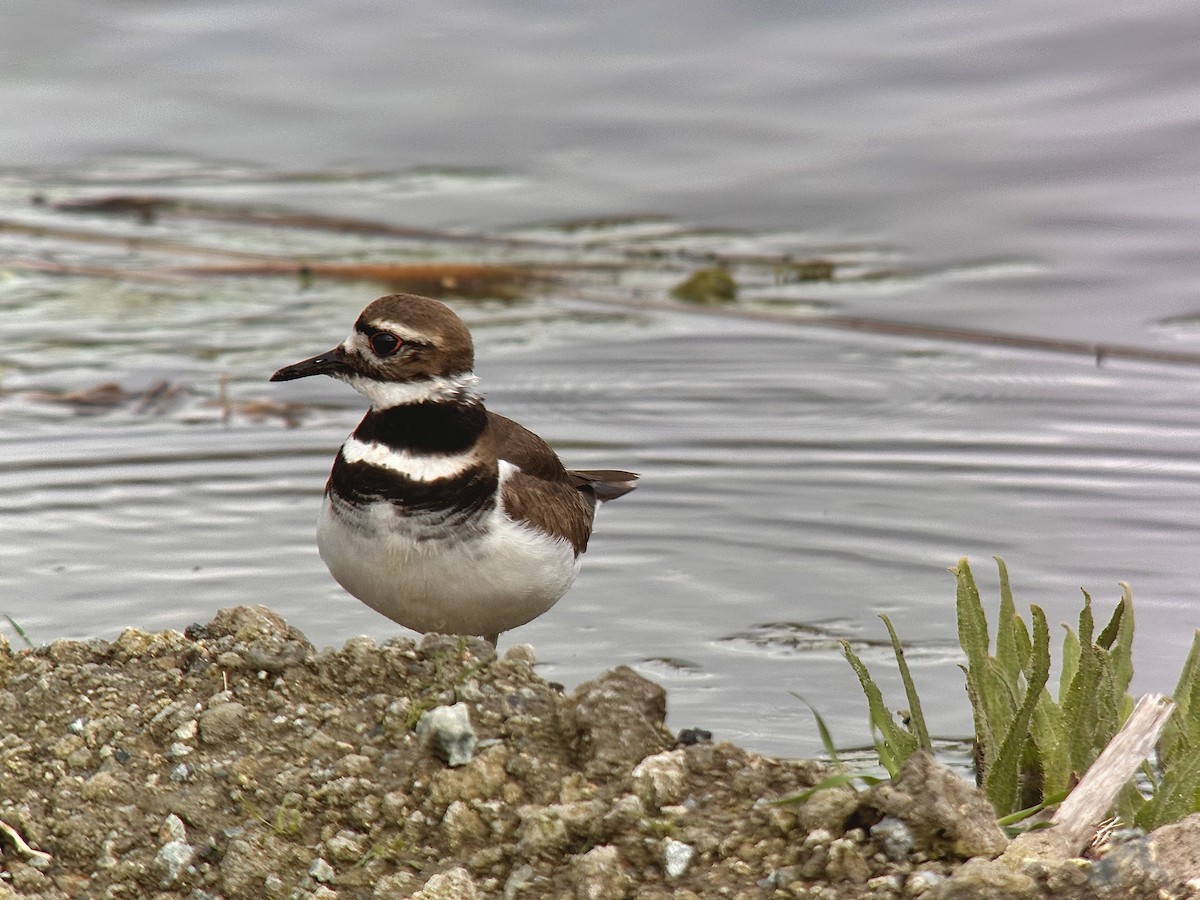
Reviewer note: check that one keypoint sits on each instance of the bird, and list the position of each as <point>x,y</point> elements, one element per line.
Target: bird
<point>439,513</point>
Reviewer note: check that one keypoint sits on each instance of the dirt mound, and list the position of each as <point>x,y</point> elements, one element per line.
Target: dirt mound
<point>238,761</point>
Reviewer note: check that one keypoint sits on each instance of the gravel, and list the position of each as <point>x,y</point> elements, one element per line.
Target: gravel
<point>236,760</point>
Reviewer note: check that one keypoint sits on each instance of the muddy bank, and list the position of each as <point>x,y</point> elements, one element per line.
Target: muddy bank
<point>238,761</point>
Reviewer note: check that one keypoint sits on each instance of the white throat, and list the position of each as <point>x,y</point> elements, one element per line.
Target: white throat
<point>387,394</point>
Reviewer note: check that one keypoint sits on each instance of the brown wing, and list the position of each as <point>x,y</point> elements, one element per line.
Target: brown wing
<point>541,493</point>
<point>544,493</point>
<point>552,506</point>
<point>523,448</point>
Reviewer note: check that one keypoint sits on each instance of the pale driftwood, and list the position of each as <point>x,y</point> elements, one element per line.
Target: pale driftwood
<point>36,858</point>
<point>1079,815</point>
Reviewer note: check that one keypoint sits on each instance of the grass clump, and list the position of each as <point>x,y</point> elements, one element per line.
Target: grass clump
<point>1030,748</point>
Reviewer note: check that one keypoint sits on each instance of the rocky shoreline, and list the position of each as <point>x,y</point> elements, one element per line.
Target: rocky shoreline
<point>236,760</point>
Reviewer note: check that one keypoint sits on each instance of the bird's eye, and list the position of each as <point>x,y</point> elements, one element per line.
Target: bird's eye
<point>384,344</point>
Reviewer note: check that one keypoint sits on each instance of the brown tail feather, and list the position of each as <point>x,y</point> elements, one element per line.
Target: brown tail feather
<point>605,484</point>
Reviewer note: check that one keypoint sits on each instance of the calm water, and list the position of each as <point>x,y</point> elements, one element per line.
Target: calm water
<point>1029,168</point>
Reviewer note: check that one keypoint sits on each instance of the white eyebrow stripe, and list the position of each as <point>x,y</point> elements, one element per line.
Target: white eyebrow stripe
<point>417,467</point>
<point>401,331</point>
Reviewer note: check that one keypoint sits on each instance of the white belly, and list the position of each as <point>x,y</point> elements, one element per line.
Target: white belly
<point>487,578</point>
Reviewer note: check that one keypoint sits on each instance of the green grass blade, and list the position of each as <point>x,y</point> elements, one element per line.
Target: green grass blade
<point>826,784</point>
<point>1178,791</point>
<point>985,740</point>
<point>1123,647</point>
<point>20,631</point>
<point>1108,634</point>
<point>1183,728</point>
<point>1188,678</point>
<point>1051,742</point>
<point>972,623</point>
<point>1080,709</point>
<point>1003,780</point>
<point>916,716</point>
<point>822,730</point>
<point>1021,815</point>
<point>1069,666</point>
<point>1009,655</point>
<point>1087,623</point>
<point>896,744</point>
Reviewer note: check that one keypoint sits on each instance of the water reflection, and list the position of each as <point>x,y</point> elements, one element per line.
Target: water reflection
<point>957,169</point>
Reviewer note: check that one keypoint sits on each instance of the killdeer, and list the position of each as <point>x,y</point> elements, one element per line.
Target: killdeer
<point>440,514</point>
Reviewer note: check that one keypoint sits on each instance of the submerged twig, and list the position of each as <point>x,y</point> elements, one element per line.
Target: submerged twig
<point>431,279</point>
<point>1098,351</point>
<point>496,280</point>
<point>148,207</point>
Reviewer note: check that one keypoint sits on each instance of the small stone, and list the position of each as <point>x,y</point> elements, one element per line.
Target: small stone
<point>395,886</point>
<point>886,885</point>
<point>173,859</point>
<point>816,838</point>
<point>780,878</point>
<point>243,623</point>
<point>64,747</point>
<point>355,764</point>
<point>468,692</point>
<point>677,856</point>
<point>1173,848</point>
<point>346,846</point>
<point>276,659</point>
<point>661,780</point>
<point>517,879</point>
<point>618,720</point>
<point>186,731</point>
<point>987,878</point>
<point>690,736</point>
<point>242,869</point>
<point>828,810</point>
<point>523,654</point>
<point>80,759</point>
<point>922,882</point>
<point>132,642</point>
<point>463,826</point>
<point>27,879</point>
<point>173,829</point>
<point>946,815</point>
<point>447,732</point>
<point>105,787</point>
<point>625,812</point>
<point>599,874</point>
<point>894,838</point>
<point>321,871</point>
<point>455,884</point>
<point>541,831</point>
<point>222,723</point>
<point>846,863</point>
